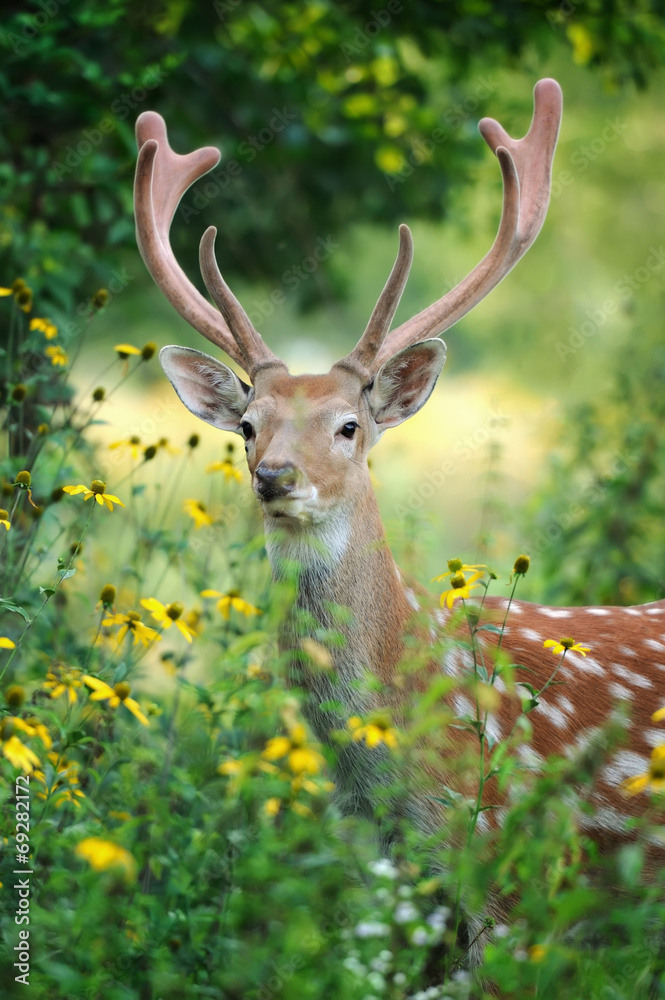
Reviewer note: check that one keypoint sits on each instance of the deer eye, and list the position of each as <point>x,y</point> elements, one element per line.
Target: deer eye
<point>348,430</point>
<point>246,429</point>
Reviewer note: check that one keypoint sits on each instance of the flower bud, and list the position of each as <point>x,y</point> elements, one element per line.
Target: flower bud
<point>57,494</point>
<point>149,452</point>
<point>19,392</point>
<point>97,486</point>
<point>193,441</point>
<point>15,696</point>
<point>521,566</point>
<point>122,690</point>
<point>43,429</point>
<point>23,479</point>
<point>99,394</point>
<point>174,610</point>
<point>107,595</point>
<point>18,285</point>
<point>148,350</point>
<point>100,298</point>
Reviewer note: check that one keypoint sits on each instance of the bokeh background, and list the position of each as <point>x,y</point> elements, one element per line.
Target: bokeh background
<point>545,432</point>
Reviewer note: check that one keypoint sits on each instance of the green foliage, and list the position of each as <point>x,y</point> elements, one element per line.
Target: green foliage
<point>321,112</point>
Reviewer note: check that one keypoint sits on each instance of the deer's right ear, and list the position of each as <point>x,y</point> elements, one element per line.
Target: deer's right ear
<point>208,388</point>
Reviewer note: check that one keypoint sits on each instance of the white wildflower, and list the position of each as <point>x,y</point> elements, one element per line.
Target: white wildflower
<point>383,868</point>
<point>405,913</point>
<point>372,928</point>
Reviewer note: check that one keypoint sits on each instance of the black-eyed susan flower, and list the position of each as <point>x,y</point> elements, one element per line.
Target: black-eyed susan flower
<point>15,695</point>
<point>63,680</point>
<point>132,444</point>
<point>301,757</point>
<point>4,519</point>
<point>198,513</point>
<point>565,644</point>
<point>23,298</point>
<point>19,755</point>
<point>456,566</point>
<point>232,599</point>
<point>57,355</point>
<point>107,596</point>
<point>168,615</point>
<point>45,325</point>
<point>460,587</point>
<point>97,489</point>
<point>125,351</point>
<point>103,855</point>
<point>377,730</point>
<point>63,782</point>
<point>6,643</point>
<point>131,622</point>
<point>653,780</point>
<point>119,694</point>
<point>227,467</point>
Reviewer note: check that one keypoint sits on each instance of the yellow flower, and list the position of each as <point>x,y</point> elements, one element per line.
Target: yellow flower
<point>564,644</point>
<point>654,779</point>
<point>537,952</point>
<point>103,855</point>
<point>19,755</point>
<point>659,715</point>
<point>124,350</point>
<point>57,355</point>
<point>231,600</point>
<point>131,622</point>
<point>48,328</point>
<point>63,680</point>
<point>114,696</point>
<point>197,512</point>
<point>133,443</point>
<point>460,587</point>
<point>4,519</point>
<point>227,467</point>
<point>301,757</point>
<point>97,489</point>
<point>31,727</point>
<point>6,643</point>
<point>272,806</point>
<point>168,616</point>
<point>457,566</point>
<point>66,776</point>
<point>376,731</point>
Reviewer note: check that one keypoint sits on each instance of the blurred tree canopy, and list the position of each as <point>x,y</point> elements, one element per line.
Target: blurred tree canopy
<point>321,110</point>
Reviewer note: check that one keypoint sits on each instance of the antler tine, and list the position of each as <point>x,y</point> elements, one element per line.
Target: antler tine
<point>526,166</point>
<point>369,345</point>
<point>162,177</point>
<point>250,342</point>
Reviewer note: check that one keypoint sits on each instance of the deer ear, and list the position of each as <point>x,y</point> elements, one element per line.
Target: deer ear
<point>208,388</point>
<point>405,382</point>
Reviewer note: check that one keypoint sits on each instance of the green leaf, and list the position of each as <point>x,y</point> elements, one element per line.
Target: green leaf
<point>47,591</point>
<point>6,605</point>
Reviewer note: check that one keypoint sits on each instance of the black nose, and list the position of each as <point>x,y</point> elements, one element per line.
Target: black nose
<point>272,483</point>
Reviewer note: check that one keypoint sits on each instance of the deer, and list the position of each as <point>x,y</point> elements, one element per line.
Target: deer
<point>307,439</point>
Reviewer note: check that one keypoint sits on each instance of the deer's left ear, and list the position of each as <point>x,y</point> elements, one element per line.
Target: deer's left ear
<point>405,382</point>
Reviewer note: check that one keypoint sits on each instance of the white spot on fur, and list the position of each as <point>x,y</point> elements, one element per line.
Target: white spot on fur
<point>585,664</point>
<point>626,651</point>
<point>529,756</point>
<point>530,633</point>
<point>554,714</point>
<point>463,705</point>
<point>604,818</point>
<point>653,737</point>
<point>597,611</point>
<point>655,611</point>
<point>632,611</point>
<point>500,685</point>
<point>482,822</point>
<point>566,705</point>
<point>555,612</point>
<point>619,691</point>
<point>624,764</point>
<point>412,599</point>
<point>628,675</point>
<point>654,644</point>
<point>493,728</point>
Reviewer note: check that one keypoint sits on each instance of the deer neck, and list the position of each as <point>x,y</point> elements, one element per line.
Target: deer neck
<point>348,583</point>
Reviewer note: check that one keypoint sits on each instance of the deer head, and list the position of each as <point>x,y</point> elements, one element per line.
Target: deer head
<point>307,436</point>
